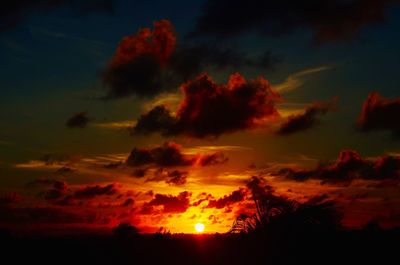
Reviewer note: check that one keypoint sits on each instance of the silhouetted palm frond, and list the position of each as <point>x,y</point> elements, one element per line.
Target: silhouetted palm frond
<point>276,212</point>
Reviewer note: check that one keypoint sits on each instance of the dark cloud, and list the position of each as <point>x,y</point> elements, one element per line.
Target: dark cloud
<point>191,60</point>
<point>212,159</point>
<point>348,167</point>
<point>227,200</point>
<point>380,114</point>
<point>170,155</point>
<point>330,21</point>
<point>9,199</point>
<point>65,170</point>
<point>174,177</point>
<point>78,120</point>
<point>169,203</point>
<point>113,165</point>
<point>58,191</point>
<point>56,158</point>
<point>41,182</point>
<point>44,216</point>
<point>96,190</point>
<point>12,12</point>
<point>306,120</point>
<point>128,202</point>
<point>149,62</point>
<point>139,172</point>
<point>167,155</point>
<point>209,109</point>
<point>177,177</point>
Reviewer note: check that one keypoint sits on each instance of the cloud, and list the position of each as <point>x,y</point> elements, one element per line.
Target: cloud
<point>174,177</point>
<point>116,125</point>
<point>170,203</point>
<point>307,120</point>
<point>227,200</point>
<point>348,167</point>
<point>191,60</point>
<point>96,190</point>
<point>58,191</point>
<point>128,202</point>
<point>380,114</point>
<point>14,11</point>
<point>139,173</point>
<point>78,120</point>
<point>170,155</point>
<point>150,62</point>
<point>177,177</point>
<point>295,80</point>
<point>209,109</point>
<point>212,159</point>
<point>43,216</point>
<point>9,199</point>
<point>330,21</point>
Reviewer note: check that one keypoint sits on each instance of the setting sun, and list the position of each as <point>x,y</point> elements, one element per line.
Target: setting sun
<point>199,227</point>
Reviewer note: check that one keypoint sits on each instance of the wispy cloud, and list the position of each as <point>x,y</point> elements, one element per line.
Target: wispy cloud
<point>172,100</point>
<point>115,124</point>
<point>209,148</point>
<point>295,80</point>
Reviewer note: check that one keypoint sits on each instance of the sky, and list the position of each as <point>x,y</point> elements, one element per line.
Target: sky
<point>166,114</point>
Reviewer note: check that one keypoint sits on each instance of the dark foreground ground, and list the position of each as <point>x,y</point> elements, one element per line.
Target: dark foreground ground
<point>317,247</point>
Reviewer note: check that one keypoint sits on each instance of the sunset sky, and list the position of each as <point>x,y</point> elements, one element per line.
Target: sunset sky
<point>167,113</point>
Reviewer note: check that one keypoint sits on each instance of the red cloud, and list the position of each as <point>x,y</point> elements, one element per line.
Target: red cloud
<point>379,113</point>
<point>159,42</point>
<point>209,109</point>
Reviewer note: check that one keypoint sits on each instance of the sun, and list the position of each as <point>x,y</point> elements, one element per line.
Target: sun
<point>199,227</point>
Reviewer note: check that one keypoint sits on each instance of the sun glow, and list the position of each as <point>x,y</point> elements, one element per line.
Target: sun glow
<point>199,227</point>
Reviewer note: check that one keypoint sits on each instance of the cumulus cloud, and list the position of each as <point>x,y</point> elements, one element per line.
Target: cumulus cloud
<point>168,203</point>
<point>330,21</point>
<point>380,114</point>
<point>78,120</point>
<point>170,155</point>
<point>348,167</point>
<point>174,177</point>
<point>150,62</point>
<point>227,200</point>
<point>96,190</point>
<point>209,109</point>
<point>306,120</point>
<point>12,12</point>
<point>58,191</point>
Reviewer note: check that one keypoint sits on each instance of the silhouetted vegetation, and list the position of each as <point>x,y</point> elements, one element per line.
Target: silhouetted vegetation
<point>125,230</point>
<point>277,213</point>
<point>281,231</point>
